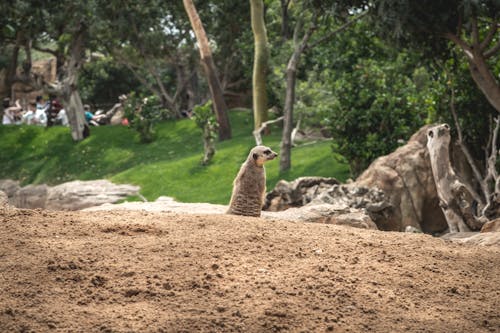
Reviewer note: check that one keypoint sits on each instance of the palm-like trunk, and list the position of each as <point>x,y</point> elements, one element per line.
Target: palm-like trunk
<point>260,63</point>
<point>210,71</point>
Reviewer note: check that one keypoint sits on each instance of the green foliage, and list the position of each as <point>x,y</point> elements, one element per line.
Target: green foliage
<point>142,113</point>
<point>101,82</point>
<point>205,120</point>
<point>169,166</point>
<point>377,107</point>
<point>473,110</point>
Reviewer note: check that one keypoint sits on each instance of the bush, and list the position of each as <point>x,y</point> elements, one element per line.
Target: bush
<point>142,113</point>
<point>205,120</point>
<point>377,107</point>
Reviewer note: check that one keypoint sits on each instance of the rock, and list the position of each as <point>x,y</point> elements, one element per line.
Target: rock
<point>324,200</point>
<point>5,205</point>
<point>164,204</point>
<point>396,191</point>
<point>491,226</point>
<point>10,187</point>
<point>67,196</point>
<point>296,193</point>
<point>405,177</point>
<point>77,194</point>
<point>474,238</point>
<point>339,214</point>
<point>414,230</point>
<point>355,219</point>
<point>30,196</point>
<point>4,200</point>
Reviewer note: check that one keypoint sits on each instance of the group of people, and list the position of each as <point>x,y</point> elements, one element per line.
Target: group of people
<point>42,113</point>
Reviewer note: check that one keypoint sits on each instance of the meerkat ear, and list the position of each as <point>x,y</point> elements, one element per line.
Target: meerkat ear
<point>255,156</point>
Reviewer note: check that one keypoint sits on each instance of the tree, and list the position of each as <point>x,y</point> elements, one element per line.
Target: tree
<point>63,24</point>
<point>470,25</point>
<point>261,55</point>
<point>210,71</point>
<point>301,43</point>
<point>149,39</point>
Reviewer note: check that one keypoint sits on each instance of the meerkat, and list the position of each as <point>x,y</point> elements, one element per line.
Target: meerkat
<point>249,186</point>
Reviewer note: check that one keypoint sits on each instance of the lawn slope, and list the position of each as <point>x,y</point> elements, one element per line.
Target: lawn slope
<point>169,166</point>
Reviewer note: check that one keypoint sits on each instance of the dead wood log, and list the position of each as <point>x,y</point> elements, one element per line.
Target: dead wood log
<point>454,197</point>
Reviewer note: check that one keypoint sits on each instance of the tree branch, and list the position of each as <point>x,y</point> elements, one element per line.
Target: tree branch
<point>491,33</point>
<point>492,51</point>
<point>455,39</point>
<point>336,31</point>
<point>491,172</point>
<point>258,132</point>
<point>467,154</point>
<point>45,50</point>
<point>475,32</point>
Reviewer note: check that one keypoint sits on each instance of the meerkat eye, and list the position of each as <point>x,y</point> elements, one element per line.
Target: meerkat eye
<point>267,152</point>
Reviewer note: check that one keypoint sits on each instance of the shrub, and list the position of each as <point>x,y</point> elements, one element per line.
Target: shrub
<point>142,113</point>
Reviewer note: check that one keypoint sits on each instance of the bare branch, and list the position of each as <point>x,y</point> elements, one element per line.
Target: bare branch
<point>491,33</point>
<point>336,31</point>
<point>492,51</point>
<point>467,154</point>
<point>258,132</point>
<point>455,39</point>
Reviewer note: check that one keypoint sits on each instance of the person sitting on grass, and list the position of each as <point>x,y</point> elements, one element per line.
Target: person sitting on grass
<point>90,117</point>
<point>10,112</point>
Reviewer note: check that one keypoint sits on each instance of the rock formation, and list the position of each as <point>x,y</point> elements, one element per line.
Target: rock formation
<point>405,176</point>
<point>73,195</point>
<point>396,191</point>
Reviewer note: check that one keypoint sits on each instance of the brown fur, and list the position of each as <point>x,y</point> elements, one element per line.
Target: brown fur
<point>249,186</point>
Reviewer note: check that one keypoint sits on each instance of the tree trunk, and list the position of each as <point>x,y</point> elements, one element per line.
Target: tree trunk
<point>286,138</point>
<point>481,74</point>
<point>76,117</point>
<point>291,75</point>
<point>210,71</point>
<point>71,97</point>
<point>260,63</point>
<point>10,73</point>
<point>285,35</point>
<point>485,80</point>
<point>454,198</point>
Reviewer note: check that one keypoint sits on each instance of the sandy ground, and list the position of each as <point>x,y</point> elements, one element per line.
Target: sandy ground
<point>131,271</point>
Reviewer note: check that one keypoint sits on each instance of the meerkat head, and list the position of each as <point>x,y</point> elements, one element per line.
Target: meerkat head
<point>262,154</point>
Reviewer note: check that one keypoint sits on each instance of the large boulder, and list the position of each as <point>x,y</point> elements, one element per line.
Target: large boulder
<point>324,200</point>
<point>31,196</point>
<point>73,195</point>
<point>397,191</point>
<point>406,179</point>
<point>325,213</point>
<point>77,194</point>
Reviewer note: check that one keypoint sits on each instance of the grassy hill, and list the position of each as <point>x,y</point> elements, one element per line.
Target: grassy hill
<point>169,166</point>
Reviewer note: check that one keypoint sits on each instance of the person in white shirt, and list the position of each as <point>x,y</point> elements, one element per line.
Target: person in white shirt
<point>9,112</point>
<point>41,111</point>
<point>29,116</point>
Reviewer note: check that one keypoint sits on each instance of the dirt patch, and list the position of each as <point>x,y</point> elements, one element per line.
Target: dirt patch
<point>130,271</point>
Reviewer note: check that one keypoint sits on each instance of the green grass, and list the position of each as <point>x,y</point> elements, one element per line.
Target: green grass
<point>169,166</point>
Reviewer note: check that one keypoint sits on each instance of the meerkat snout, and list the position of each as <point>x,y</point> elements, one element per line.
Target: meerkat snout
<point>262,154</point>
<point>249,186</point>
